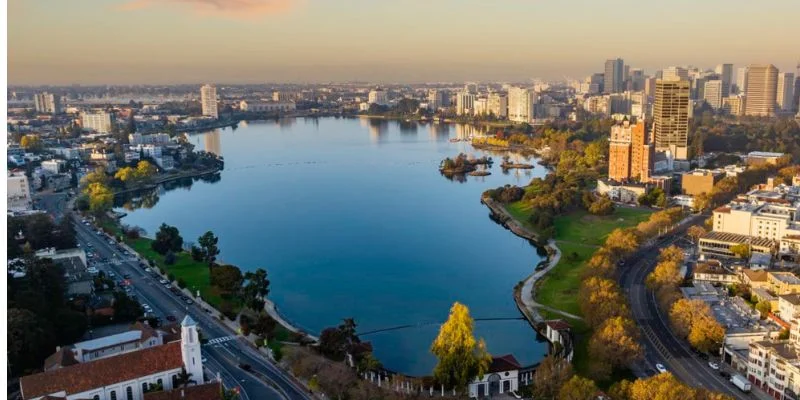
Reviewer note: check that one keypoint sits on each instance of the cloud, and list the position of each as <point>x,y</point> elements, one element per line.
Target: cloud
<point>239,9</point>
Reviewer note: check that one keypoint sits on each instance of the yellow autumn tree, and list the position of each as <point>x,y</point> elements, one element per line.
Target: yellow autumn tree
<point>616,342</point>
<point>101,198</point>
<point>145,170</point>
<point>461,356</point>
<point>694,320</point>
<point>578,388</point>
<point>125,174</point>
<point>601,299</point>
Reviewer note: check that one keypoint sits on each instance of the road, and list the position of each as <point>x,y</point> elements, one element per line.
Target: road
<point>53,203</point>
<point>661,345</point>
<point>225,353</point>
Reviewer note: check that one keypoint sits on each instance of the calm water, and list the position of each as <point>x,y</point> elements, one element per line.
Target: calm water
<point>352,219</point>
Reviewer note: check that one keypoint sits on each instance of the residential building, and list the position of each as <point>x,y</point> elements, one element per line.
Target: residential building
<point>521,102</point>
<point>267,106</point>
<point>135,139</point>
<point>725,72</point>
<point>769,220</point>
<point>284,96</point>
<point>713,271</point>
<point>498,105</point>
<point>613,78</point>
<point>18,191</point>
<point>124,375</point>
<point>54,166</point>
<point>671,117</point>
<point>741,80</point>
<point>501,377</point>
<point>783,282</point>
<point>785,91</point>
<point>675,74</point>
<point>438,98</point>
<point>480,106</point>
<point>713,93</point>
<point>700,181</point>
<point>378,96</point>
<point>208,100</point>
<point>622,192</point>
<point>788,307</point>
<point>47,103</point>
<point>630,156</point>
<point>734,105</point>
<point>465,103</point>
<point>761,90</point>
<point>99,121</point>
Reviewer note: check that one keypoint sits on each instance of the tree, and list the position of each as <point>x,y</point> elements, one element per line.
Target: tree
<point>169,258</point>
<point>208,244</point>
<point>145,170</point>
<point>694,320</point>
<point>168,238</point>
<point>29,340</point>
<point>101,199</point>
<point>255,289</point>
<point>578,388</point>
<point>125,308</point>
<point>764,307</point>
<point>616,342</point>
<point>601,299</point>
<point>660,387</point>
<point>552,373</point>
<point>183,379</point>
<point>96,176</point>
<point>31,142</point>
<point>461,356</point>
<point>369,363</point>
<point>741,250</point>
<point>696,232</point>
<point>621,242</point>
<point>227,278</point>
<point>603,206</point>
<point>702,202</point>
<point>125,174</point>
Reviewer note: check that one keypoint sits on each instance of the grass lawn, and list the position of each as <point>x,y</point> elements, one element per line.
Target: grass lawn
<point>194,273</point>
<point>559,287</point>
<point>521,212</point>
<point>582,227</point>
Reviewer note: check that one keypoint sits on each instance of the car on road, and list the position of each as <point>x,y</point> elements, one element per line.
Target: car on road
<point>171,318</point>
<point>189,301</point>
<point>127,276</point>
<point>245,367</point>
<point>661,368</point>
<point>163,281</point>
<point>147,270</point>
<point>146,307</point>
<point>724,374</point>
<point>204,360</point>
<point>111,274</point>
<point>713,365</point>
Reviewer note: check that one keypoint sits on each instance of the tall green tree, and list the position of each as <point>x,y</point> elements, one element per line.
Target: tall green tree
<point>255,289</point>
<point>168,238</point>
<point>208,244</point>
<point>461,356</point>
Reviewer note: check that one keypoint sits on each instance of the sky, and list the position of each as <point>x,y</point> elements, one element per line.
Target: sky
<point>260,41</point>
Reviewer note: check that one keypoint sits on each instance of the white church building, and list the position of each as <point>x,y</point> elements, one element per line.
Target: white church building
<point>124,376</point>
<point>502,377</point>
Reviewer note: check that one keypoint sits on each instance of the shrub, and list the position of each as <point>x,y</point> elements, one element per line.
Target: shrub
<point>169,259</point>
<point>276,347</point>
<point>181,283</point>
<point>171,277</point>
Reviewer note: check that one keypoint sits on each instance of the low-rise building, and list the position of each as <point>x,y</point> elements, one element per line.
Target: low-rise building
<point>782,282</point>
<point>501,377</point>
<point>622,192</point>
<point>54,166</point>
<point>756,279</point>
<point>788,306</point>
<point>267,106</point>
<point>713,271</point>
<point>18,195</point>
<point>760,294</point>
<point>755,158</point>
<point>700,181</point>
<point>719,244</point>
<point>123,376</point>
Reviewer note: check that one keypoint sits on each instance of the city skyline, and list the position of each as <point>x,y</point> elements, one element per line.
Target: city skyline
<point>256,41</point>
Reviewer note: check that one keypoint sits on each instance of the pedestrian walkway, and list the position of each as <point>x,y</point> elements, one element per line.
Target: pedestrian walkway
<point>220,339</point>
<point>527,292</point>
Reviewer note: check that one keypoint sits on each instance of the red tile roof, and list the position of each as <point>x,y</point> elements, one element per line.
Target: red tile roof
<point>208,391</point>
<point>504,363</point>
<point>558,324</point>
<point>63,357</point>
<point>103,372</point>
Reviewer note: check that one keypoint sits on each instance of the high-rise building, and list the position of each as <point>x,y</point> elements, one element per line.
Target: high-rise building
<point>471,88</point>
<point>733,105</point>
<point>465,103</point>
<point>438,98</point>
<point>629,154</point>
<point>725,72</point>
<point>675,73</point>
<point>671,117</point>
<point>47,103</point>
<point>284,96</point>
<point>498,105</point>
<point>741,79</point>
<point>761,90</point>
<point>636,80</point>
<point>712,93</point>
<point>98,121</point>
<point>521,103</point>
<point>378,96</point>
<point>613,78</point>
<point>208,100</point>
<point>785,91</point>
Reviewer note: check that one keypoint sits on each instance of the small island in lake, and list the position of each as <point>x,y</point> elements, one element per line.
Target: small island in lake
<point>508,164</point>
<point>462,164</point>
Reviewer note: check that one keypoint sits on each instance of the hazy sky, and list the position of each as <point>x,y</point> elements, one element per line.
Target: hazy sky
<point>232,41</point>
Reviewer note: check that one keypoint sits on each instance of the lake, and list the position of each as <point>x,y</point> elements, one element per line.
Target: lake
<point>351,218</point>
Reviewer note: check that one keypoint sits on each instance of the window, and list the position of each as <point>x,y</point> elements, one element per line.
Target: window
<point>113,395</point>
<point>96,397</point>
<point>144,387</point>
<point>160,382</point>
<point>129,392</point>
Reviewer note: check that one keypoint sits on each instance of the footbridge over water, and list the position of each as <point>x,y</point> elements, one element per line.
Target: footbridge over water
<point>421,324</point>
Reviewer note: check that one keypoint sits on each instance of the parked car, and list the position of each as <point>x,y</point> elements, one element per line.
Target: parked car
<point>713,365</point>
<point>171,318</point>
<point>661,368</point>
<point>189,301</point>
<point>164,281</point>
<point>245,367</point>
<point>127,276</point>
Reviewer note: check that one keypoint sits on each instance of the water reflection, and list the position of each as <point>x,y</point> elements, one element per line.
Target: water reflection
<point>212,142</point>
<point>148,198</point>
<point>439,132</point>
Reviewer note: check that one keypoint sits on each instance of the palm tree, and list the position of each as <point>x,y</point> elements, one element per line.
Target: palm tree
<point>183,378</point>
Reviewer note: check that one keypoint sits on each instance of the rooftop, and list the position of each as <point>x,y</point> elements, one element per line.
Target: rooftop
<point>793,299</point>
<point>785,277</point>
<point>736,238</point>
<point>106,371</point>
<point>108,341</point>
<point>764,154</point>
<point>504,363</point>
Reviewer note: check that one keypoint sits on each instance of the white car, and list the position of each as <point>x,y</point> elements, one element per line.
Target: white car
<point>661,368</point>
<point>164,282</point>
<point>713,365</point>
<point>147,307</point>
<point>147,270</point>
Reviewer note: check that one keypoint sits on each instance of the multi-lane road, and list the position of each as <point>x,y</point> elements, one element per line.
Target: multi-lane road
<point>661,345</point>
<point>225,353</point>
